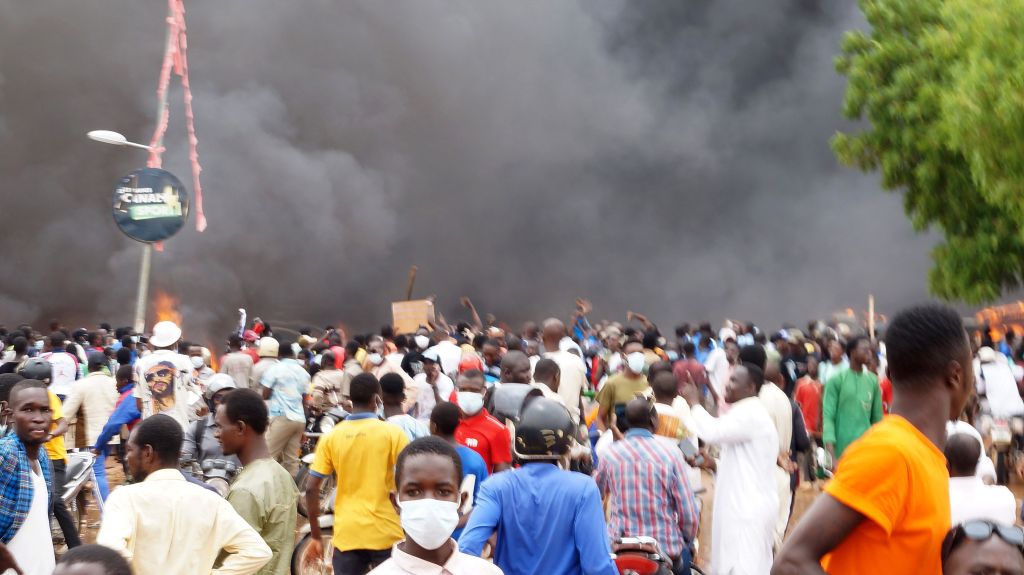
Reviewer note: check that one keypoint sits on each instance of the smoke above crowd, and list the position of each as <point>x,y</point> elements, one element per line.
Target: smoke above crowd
<point>670,158</point>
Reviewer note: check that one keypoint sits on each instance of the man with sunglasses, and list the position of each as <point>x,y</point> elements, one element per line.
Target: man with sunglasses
<point>983,547</point>
<point>887,508</point>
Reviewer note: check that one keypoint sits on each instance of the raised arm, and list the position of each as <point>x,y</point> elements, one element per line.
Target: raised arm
<point>720,430</point>
<point>467,303</point>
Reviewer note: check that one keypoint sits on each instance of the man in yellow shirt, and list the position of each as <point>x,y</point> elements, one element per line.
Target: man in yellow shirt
<point>41,370</point>
<point>887,509</point>
<point>362,452</point>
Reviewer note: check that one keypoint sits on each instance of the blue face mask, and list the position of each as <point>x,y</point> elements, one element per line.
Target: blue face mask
<point>672,356</point>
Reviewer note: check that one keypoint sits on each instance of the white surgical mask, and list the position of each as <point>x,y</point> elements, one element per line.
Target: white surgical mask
<point>470,402</point>
<point>380,410</point>
<point>197,361</point>
<point>422,341</point>
<point>635,361</point>
<point>375,358</point>
<point>429,522</point>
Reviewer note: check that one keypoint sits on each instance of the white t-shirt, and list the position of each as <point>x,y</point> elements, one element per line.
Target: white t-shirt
<point>64,371</point>
<point>450,356</point>
<point>717,366</point>
<point>164,382</point>
<point>970,498</point>
<point>425,402</point>
<point>31,546</point>
<point>996,381</point>
<point>572,380</point>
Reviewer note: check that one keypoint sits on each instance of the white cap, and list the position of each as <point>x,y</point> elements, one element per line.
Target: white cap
<point>986,355</point>
<point>268,347</point>
<point>165,334</point>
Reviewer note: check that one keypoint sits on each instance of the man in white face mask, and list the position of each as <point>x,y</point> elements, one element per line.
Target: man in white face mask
<point>427,479</point>
<point>478,430</point>
<point>379,365</point>
<point>621,388</point>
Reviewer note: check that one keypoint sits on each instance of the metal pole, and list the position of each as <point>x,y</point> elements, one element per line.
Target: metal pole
<point>143,293</point>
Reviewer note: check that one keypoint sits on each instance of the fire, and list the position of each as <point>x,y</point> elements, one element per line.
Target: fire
<point>214,364</point>
<point>166,307</point>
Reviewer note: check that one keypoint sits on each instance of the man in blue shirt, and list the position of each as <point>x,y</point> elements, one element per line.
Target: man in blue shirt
<point>284,385</point>
<point>443,421</point>
<point>548,520</point>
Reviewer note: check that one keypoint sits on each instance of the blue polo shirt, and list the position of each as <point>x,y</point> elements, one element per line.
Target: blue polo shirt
<point>548,521</point>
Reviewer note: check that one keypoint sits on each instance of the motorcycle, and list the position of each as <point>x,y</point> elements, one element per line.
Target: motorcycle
<point>326,522</point>
<point>217,473</point>
<point>643,556</point>
<point>316,427</point>
<point>1007,437</point>
<point>78,475</point>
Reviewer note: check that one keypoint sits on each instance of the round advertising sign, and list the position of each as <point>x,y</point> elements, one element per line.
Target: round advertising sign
<point>150,205</point>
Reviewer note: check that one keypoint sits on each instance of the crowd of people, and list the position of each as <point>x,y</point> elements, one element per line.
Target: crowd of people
<point>478,448</point>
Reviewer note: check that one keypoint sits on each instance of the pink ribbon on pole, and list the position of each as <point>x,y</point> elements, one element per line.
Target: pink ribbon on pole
<point>176,58</point>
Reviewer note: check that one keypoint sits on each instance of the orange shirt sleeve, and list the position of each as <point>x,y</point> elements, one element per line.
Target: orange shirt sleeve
<point>872,479</point>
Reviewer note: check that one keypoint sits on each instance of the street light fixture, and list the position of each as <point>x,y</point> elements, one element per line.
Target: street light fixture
<point>117,139</point>
<point>114,138</point>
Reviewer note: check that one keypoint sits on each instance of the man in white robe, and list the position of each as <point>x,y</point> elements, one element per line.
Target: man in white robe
<point>781,411</point>
<point>746,501</point>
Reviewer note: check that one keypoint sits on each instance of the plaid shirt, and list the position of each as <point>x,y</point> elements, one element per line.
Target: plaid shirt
<point>16,485</point>
<point>649,492</point>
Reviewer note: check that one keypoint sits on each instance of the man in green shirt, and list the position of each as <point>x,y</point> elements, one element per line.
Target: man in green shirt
<point>622,388</point>
<point>264,493</point>
<point>852,402</point>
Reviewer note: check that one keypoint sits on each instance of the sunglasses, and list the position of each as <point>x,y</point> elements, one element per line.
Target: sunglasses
<point>981,531</point>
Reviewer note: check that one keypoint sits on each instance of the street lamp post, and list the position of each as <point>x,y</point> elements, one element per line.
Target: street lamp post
<point>116,139</point>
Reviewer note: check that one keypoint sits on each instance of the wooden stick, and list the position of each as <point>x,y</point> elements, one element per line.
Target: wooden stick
<point>412,281</point>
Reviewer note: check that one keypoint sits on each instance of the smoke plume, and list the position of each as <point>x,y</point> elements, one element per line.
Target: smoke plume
<point>669,157</point>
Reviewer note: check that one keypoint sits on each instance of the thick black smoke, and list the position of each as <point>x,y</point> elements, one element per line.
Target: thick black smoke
<point>666,157</point>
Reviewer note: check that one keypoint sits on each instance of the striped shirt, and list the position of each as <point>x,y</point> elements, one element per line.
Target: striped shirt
<point>649,493</point>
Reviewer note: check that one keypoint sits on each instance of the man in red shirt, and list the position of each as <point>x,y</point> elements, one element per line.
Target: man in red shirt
<point>886,386</point>
<point>478,430</point>
<point>808,394</point>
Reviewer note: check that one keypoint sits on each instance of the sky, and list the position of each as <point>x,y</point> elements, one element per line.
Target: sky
<point>669,158</point>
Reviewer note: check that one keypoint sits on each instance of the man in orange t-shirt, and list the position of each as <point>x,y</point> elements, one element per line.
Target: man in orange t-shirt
<point>887,508</point>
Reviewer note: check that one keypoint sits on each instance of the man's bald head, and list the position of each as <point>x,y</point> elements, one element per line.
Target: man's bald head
<point>515,368</point>
<point>962,454</point>
<point>552,331</point>
<point>640,414</point>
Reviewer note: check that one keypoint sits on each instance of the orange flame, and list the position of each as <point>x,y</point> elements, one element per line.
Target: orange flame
<point>166,307</point>
<point>214,363</point>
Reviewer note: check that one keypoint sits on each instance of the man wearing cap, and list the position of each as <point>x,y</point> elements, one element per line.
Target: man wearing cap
<point>164,377</point>
<point>95,395</point>
<point>286,384</point>
<point>237,363</point>
<point>268,349</point>
<point>251,339</point>
<point>434,387</point>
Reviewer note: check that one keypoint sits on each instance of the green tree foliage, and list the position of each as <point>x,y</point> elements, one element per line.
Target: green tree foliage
<point>940,85</point>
